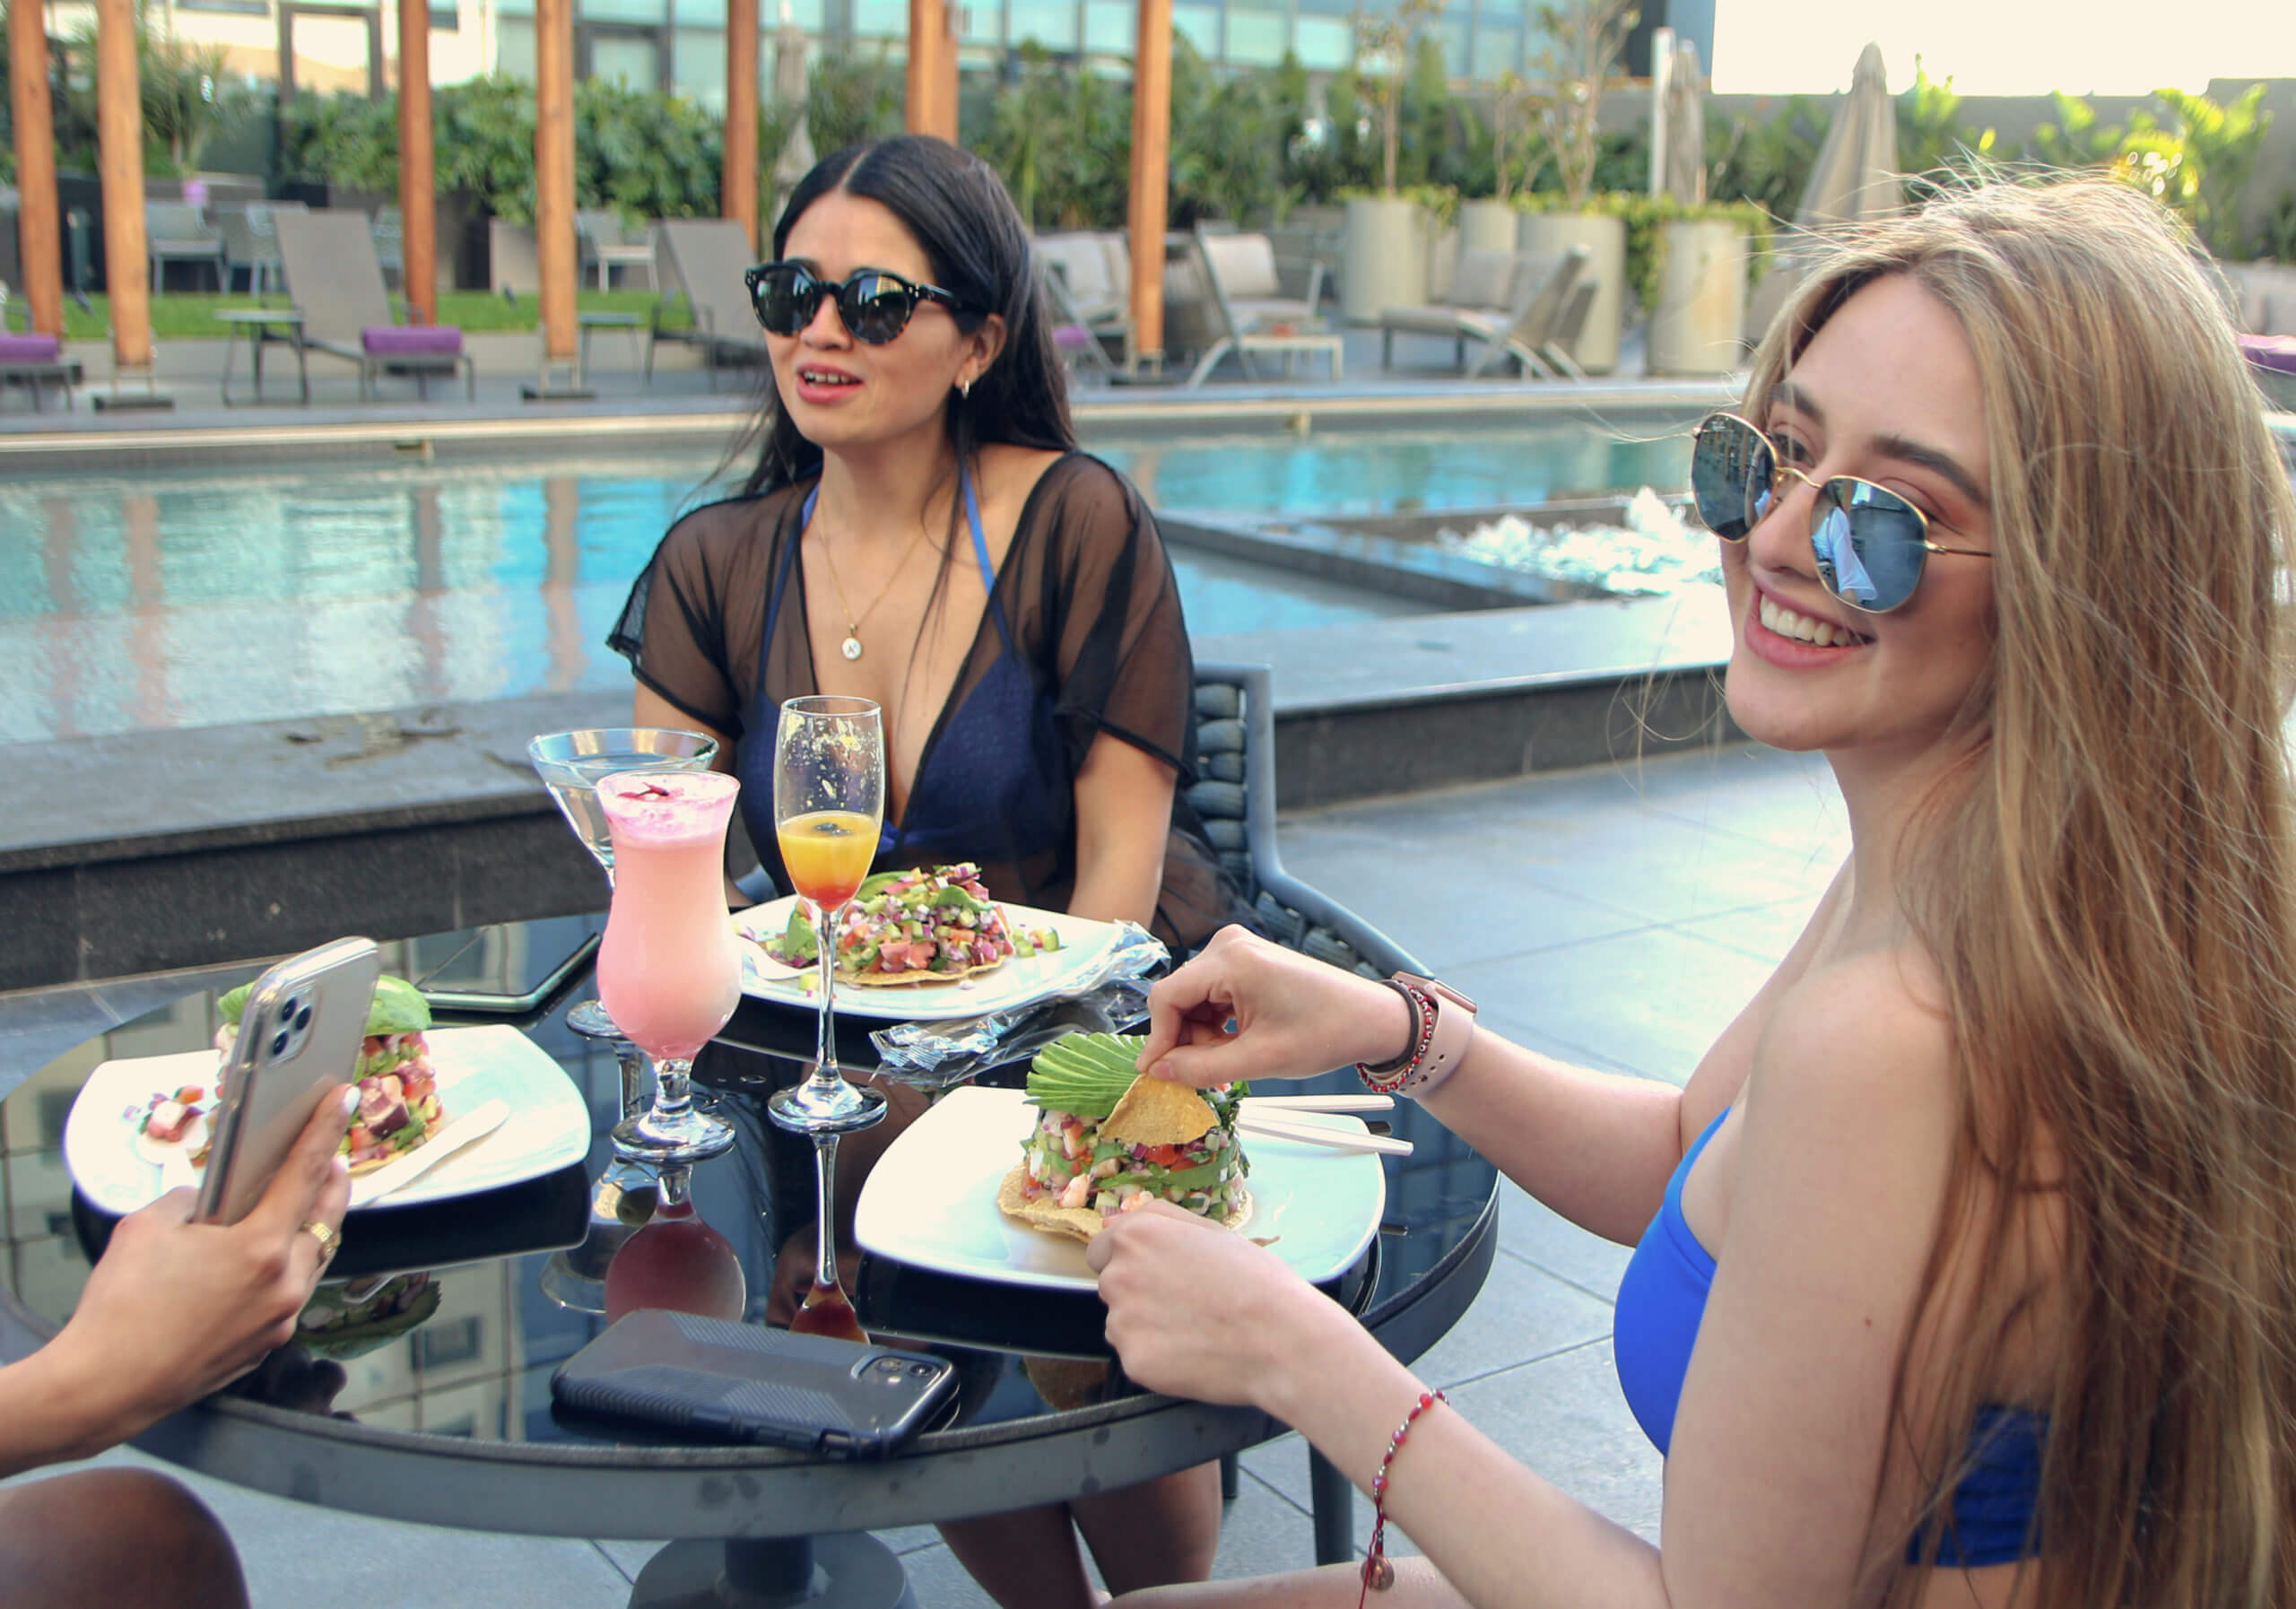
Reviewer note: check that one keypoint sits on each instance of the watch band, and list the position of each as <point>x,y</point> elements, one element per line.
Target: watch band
<point>1442,1023</point>
<point>1447,1045</point>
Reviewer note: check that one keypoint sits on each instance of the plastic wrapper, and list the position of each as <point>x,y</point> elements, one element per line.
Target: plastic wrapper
<point>1111,998</point>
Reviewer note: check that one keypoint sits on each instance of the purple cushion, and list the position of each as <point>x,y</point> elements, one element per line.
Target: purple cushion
<point>2276,353</point>
<point>29,349</point>
<point>1071,338</point>
<point>412,340</point>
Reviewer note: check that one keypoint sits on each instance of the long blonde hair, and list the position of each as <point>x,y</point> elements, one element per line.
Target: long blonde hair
<point>2106,885</point>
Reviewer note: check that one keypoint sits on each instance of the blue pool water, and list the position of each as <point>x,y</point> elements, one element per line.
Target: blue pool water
<point>186,599</point>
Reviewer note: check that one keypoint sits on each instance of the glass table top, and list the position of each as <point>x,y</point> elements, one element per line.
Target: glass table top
<point>446,1320</point>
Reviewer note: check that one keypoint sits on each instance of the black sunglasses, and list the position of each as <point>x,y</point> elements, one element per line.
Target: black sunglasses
<point>874,305</point>
<point>1871,543</point>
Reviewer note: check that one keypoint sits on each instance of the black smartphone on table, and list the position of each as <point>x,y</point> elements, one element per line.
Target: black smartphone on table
<point>748,1383</point>
<point>300,1033</point>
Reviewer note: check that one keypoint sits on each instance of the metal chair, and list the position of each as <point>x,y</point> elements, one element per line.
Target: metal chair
<point>176,231</point>
<point>251,242</point>
<point>604,244</point>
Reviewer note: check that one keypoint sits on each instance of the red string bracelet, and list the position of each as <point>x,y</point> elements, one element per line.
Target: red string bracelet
<point>1379,1575</point>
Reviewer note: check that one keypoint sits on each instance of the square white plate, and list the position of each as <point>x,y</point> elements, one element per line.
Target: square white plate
<point>931,1200</point>
<point>1083,944</point>
<point>549,1124</point>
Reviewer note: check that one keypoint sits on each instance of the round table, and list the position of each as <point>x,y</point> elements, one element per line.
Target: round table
<point>450,1422</point>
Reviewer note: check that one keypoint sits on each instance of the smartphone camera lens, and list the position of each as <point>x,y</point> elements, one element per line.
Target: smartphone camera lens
<point>303,1020</point>
<point>279,1043</point>
<point>287,1009</point>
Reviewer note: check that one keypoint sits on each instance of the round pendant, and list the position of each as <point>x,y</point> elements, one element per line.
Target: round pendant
<point>852,648</point>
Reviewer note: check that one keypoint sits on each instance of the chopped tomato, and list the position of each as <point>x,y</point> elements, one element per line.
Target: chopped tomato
<point>1164,1156</point>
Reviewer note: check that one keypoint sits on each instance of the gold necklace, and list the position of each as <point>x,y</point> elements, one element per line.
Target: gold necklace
<point>851,647</point>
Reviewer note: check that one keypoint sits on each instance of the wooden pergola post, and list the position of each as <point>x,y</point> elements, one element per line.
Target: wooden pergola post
<point>554,253</point>
<point>740,177</point>
<point>418,201</point>
<point>119,145</point>
<point>1151,142</point>
<point>931,84</point>
<point>39,238</point>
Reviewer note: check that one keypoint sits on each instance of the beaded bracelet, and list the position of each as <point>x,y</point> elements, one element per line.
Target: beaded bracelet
<point>1379,1575</point>
<point>1388,1077</point>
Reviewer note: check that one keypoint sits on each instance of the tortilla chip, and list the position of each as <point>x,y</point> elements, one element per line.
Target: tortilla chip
<point>1157,1111</point>
<point>1077,1224</point>
<point>1080,1223</point>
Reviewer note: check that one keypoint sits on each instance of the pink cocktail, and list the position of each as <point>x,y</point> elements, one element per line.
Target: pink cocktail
<point>668,971</point>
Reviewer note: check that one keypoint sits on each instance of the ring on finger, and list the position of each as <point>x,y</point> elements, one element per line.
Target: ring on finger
<point>329,1239</point>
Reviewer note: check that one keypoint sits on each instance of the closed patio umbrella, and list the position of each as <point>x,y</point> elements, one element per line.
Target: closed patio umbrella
<point>1684,160</point>
<point>1854,179</point>
<point>797,158</point>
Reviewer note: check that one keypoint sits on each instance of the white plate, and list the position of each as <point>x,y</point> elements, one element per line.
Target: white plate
<point>931,1200</point>
<point>549,1124</point>
<point>1083,943</point>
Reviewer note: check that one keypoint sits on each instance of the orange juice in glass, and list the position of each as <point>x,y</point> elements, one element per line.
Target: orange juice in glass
<point>828,853</point>
<point>668,970</point>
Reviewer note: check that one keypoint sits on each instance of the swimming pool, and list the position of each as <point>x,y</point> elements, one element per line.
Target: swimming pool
<point>182,597</point>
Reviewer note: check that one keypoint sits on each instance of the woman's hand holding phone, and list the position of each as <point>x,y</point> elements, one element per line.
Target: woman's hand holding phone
<point>1294,1016</point>
<point>175,1309</point>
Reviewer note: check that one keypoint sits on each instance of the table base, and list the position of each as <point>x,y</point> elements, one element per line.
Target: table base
<point>821,1572</point>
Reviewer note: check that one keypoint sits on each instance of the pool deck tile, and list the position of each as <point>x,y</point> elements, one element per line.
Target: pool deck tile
<point>1529,1363</point>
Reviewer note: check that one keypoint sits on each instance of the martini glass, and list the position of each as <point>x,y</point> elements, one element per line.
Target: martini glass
<point>570,765</point>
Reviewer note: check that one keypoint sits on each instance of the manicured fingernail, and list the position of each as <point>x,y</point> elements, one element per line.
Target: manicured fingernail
<point>349,1101</point>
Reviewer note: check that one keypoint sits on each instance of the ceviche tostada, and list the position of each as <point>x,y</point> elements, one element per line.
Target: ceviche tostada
<point>1107,1142</point>
<point>931,925</point>
<point>398,1090</point>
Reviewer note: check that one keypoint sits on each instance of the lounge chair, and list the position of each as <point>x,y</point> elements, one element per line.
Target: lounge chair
<point>1246,292</point>
<point>250,242</point>
<point>706,258</point>
<point>1088,274</point>
<point>34,362</point>
<point>606,244</point>
<point>337,286</point>
<point>176,231</point>
<point>1537,291</point>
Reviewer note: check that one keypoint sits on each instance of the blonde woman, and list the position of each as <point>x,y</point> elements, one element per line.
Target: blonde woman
<point>1966,1258</point>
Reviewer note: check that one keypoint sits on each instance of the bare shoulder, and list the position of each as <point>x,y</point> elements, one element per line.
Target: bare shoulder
<point>1009,472</point>
<point>1860,1048</point>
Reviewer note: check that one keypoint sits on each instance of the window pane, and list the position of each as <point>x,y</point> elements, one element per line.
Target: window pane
<point>699,60</point>
<point>1110,28</point>
<point>621,57</point>
<point>622,11</point>
<point>1201,23</point>
<point>1498,46</point>
<point>702,13</point>
<point>1051,23</point>
<point>1323,44</point>
<point>981,23</point>
<point>881,19</point>
<point>1454,35</point>
<point>1257,37</point>
<point>514,47</point>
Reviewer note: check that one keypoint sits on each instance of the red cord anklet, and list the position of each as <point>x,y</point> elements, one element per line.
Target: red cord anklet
<point>1379,1575</point>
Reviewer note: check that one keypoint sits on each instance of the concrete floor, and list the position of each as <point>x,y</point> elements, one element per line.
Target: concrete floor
<point>1640,906</point>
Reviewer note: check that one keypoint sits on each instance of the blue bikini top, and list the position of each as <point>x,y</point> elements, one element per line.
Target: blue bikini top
<point>1662,1302</point>
<point>985,782</point>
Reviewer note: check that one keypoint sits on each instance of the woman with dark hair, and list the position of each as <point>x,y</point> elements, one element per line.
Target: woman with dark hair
<point>920,530</point>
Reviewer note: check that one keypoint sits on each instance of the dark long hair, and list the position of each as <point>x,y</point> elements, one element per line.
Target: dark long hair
<point>973,237</point>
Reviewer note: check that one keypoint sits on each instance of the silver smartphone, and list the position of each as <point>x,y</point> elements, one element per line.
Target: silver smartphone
<point>300,1033</point>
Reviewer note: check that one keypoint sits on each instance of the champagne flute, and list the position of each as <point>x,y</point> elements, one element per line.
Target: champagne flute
<point>668,970</point>
<point>571,764</point>
<point>829,802</point>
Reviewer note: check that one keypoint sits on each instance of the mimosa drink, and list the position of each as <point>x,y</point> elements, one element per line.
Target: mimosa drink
<point>828,853</point>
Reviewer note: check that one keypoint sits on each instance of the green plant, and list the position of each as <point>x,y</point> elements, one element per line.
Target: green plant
<point>2277,239</point>
<point>1583,38</point>
<point>1515,112</point>
<point>852,96</point>
<point>2192,155</point>
<point>1231,136</point>
<point>1932,142</point>
<point>1646,216</point>
<point>1386,52</point>
<point>188,97</point>
<point>1767,161</point>
<point>1061,137</point>
<point>647,155</point>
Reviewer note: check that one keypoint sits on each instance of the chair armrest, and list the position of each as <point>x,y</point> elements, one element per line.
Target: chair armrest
<point>1315,297</point>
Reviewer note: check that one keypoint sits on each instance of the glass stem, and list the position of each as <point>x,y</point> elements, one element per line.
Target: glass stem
<point>632,1062</point>
<point>825,1070</point>
<point>825,1184</point>
<point>673,1087</point>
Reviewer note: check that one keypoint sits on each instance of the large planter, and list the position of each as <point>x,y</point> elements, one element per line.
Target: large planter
<point>1701,308</point>
<point>1487,226</point>
<point>1551,234</point>
<point>1442,257</point>
<point>1384,264</point>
